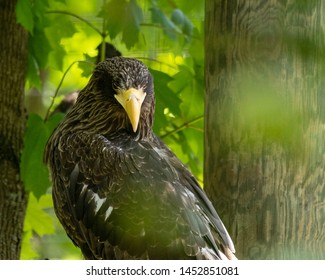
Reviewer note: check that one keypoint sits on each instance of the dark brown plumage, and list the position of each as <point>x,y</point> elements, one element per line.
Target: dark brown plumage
<point>118,191</point>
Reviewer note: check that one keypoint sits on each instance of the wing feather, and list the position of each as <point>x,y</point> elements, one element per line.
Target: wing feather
<point>119,198</point>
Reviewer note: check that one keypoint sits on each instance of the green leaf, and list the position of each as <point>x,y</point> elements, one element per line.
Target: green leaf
<point>192,147</point>
<point>87,66</point>
<point>52,122</point>
<point>123,17</point>
<point>33,73</point>
<point>166,98</point>
<point>24,14</point>
<point>187,30</point>
<point>34,173</point>
<point>132,24</point>
<point>181,20</point>
<point>169,28</point>
<point>27,250</point>
<point>178,17</point>
<point>39,47</point>
<point>39,9</point>
<point>37,219</point>
<point>56,57</point>
<point>54,34</point>
<point>112,12</point>
<point>191,90</point>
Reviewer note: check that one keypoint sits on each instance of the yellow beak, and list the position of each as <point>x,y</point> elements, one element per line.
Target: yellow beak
<point>131,100</point>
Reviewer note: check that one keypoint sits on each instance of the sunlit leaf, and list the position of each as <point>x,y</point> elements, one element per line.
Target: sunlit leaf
<point>38,222</point>
<point>37,219</point>
<point>27,250</point>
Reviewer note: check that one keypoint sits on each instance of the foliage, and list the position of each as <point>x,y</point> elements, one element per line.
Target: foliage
<point>33,172</point>
<point>166,35</point>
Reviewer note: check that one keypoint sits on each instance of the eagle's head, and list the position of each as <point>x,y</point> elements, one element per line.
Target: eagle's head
<point>119,96</point>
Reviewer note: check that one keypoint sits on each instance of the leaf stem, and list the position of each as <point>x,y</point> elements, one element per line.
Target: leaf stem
<point>183,126</point>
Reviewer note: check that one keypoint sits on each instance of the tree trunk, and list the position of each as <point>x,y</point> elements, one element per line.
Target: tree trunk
<point>13,199</point>
<point>264,145</point>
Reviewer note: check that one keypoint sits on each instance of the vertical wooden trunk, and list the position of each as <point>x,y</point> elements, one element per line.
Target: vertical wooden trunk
<point>264,145</point>
<point>13,199</point>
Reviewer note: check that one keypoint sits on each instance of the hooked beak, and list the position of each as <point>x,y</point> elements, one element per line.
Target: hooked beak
<point>131,100</point>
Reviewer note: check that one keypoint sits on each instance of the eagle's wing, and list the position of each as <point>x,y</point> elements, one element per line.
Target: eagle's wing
<point>188,181</point>
<point>124,199</point>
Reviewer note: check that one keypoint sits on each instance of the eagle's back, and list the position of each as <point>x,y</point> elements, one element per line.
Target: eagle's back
<point>123,198</point>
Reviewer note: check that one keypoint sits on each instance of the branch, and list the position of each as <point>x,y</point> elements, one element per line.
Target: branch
<point>102,34</point>
<point>59,86</point>
<point>183,126</point>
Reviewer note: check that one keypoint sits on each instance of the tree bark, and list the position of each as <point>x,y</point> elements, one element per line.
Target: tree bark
<point>264,145</point>
<point>13,199</point>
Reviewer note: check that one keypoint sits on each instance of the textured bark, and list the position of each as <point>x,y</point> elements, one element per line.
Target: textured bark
<point>264,146</point>
<point>13,199</point>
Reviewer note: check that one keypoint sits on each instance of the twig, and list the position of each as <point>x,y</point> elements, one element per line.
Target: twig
<point>183,126</point>
<point>59,86</point>
<point>102,34</point>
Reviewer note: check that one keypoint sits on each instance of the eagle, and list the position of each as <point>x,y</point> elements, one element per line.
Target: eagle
<point>118,190</point>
